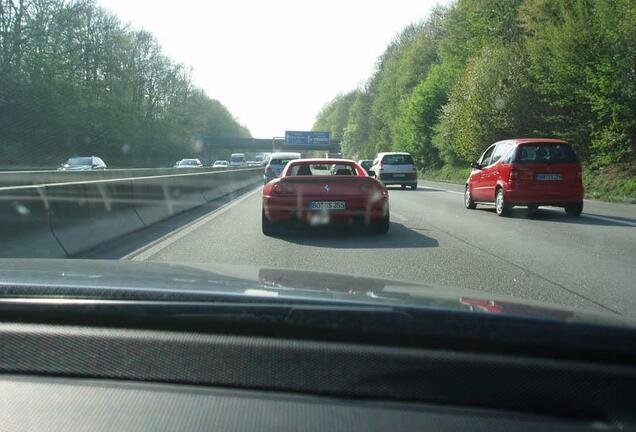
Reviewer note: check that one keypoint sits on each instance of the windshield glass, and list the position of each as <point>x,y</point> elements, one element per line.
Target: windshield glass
<point>80,161</point>
<point>418,91</point>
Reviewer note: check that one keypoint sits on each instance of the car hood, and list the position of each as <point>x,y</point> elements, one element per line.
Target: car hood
<point>164,281</point>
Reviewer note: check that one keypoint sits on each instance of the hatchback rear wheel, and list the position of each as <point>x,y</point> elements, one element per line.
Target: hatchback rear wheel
<point>574,210</point>
<point>501,205</point>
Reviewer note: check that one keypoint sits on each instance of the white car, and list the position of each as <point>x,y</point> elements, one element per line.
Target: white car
<point>188,163</point>
<point>277,162</point>
<point>237,160</point>
<point>221,164</point>
<point>395,168</point>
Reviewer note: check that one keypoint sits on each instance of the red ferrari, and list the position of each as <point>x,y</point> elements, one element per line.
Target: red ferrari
<point>322,191</point>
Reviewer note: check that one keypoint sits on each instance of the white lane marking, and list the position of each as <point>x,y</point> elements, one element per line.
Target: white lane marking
<point>398,216</point>
<point>608,219</point>
<point>161,243</point>
<point>434,189</point>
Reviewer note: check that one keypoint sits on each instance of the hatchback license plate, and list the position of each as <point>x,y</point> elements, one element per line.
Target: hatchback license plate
<point>548,177</point>
<point>398,175</point>
<point>327,205</point>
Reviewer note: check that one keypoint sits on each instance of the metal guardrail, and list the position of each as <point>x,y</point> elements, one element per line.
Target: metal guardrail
<point>61,219</point>
<point>16,178</point>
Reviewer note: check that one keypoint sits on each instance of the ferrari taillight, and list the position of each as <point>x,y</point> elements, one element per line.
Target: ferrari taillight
<point>283,188</point>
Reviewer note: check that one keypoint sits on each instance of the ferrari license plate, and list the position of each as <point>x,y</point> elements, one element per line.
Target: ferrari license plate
<point>548,177</point>
<point>327,205</point>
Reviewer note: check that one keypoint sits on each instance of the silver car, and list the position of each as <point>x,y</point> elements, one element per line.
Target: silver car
<point>83,163</point>
<point>276,164</point>
<point>395,168</point>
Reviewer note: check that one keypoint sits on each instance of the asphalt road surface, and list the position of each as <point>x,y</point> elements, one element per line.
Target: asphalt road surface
<point>587,262</point>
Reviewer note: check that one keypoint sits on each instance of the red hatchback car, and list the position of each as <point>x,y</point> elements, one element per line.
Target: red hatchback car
<point>321,191</point>
<point>529,172</point>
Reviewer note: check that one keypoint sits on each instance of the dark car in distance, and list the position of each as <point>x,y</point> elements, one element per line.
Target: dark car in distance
<point>83,163</point>
<point>528,172</point>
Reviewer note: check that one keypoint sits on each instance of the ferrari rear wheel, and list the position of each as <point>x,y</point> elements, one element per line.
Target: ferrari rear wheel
<point>381,226</point>
<point>267,226</point>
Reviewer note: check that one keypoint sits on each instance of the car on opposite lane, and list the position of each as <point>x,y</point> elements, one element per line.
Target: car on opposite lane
<point>188,163</point>
<point>322,191</point>
<point>529,172</point>
<point>83,163</point>
<point>395,168</point>
<point>238,160</point>
<point>276,164</point>
<point>221,164</point>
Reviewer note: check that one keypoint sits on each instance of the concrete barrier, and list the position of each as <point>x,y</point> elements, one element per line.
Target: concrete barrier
<point>85,215</point>
<point>25,230</point>
<point>63,219</point>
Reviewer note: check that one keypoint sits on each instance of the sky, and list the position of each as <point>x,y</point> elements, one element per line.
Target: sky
<point>274,63</point>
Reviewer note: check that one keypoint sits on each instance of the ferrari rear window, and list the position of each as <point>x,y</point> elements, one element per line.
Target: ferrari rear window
<point>322,169</point>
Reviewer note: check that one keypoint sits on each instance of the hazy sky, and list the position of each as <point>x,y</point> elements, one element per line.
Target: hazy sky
<point>274,63</point>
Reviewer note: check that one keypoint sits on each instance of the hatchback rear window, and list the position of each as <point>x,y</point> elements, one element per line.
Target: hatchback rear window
<point>545,153</point>
<point>397,160</point>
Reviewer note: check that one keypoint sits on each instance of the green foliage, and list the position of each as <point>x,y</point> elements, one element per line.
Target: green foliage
<point>482,70</point>
<point>582,63</point>
<point>334,116</point>
<point>74,80</point>
<point>419,113</point>
<point>355,140</point>
<point>489,102</point>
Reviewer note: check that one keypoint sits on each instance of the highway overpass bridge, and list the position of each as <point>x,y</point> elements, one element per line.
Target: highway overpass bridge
<point>215,143</point>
